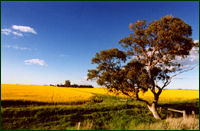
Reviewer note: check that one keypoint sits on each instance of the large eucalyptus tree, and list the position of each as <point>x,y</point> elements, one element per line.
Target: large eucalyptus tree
<point>148,60</point>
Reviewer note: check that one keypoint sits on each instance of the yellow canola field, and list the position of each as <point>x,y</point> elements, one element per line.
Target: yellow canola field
<point>42,93</point>
<point>62,94</point>
<point>166,95</point>
<point>174,95</point>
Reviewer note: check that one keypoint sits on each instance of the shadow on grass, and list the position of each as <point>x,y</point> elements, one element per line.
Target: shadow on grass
<point>19,103</point>
<point>101,111</point>
<point>187,106</point>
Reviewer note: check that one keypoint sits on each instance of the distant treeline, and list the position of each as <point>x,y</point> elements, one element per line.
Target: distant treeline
<point>68,84</point>
<point>76,86</point>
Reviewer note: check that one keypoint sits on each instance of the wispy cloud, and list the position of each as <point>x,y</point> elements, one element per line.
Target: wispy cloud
<point>192,59</point>
<point>17,30</point>
<point>35,61</point>
<point>6,31</point>
<point>16,47</point>
<point>84,81</point>
<point>17,33</point>
<point>24,29</point>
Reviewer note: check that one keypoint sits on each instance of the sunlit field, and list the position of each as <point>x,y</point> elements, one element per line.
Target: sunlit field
<point>174,95</point>
<point>166,95</point>
<point>93,108</point>
<point>52,94</point>
<point>42,93</point>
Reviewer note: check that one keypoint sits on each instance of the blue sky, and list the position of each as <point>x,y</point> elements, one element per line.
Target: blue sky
<point>50,42</point>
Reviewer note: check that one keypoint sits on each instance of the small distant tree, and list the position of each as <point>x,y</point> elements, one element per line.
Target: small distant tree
<point>75,85</point>
<point>148,60</point>
<point>67,83</point>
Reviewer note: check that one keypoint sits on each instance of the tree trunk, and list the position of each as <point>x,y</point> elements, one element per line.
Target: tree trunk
<point>153,109</point>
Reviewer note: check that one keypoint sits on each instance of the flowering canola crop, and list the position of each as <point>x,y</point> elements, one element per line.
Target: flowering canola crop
<point>52,94</point>
<point>42,93</point>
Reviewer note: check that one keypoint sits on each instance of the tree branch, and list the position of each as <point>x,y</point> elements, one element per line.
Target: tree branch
<point>139,99</point>
<point>157,86</point>
<point>144,51</point>
<point>125,93</point>
<point>152,54</point>
<point>183,71</point>
<point>168,81</point>
<point>144,101</point>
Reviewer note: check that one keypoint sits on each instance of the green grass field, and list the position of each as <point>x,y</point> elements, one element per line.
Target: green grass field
<point>102,113</point>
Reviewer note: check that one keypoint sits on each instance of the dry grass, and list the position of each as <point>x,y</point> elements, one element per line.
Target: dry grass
<point>170,124</point>
<point>86,125</point>
<point>189,123</point>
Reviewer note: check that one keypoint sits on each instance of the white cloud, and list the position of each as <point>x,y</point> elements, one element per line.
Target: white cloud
<point>6,31</point>
<point>84,81</point>
<point>35,61</point>
<point>9,31</point>
<point>19,29</point>
<point>7,46</point>
<point>24,29</point>
<point>17,47</point>
<point>196,41</point>
<point>17,33</point>
<point>192,59</point>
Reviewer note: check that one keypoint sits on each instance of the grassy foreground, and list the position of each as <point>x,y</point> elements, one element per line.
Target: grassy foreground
<point>101,111</point>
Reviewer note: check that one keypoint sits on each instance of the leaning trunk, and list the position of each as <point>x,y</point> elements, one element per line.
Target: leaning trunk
<point>153,109</point>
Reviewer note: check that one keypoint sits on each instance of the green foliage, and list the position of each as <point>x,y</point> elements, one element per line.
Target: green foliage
<point>97,99</point>
<point>147,61</point>
<point>67,83</point>
<point>148,57</point>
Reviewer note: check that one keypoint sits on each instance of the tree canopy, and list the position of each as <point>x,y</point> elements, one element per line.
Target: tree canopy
<point>148,58</point>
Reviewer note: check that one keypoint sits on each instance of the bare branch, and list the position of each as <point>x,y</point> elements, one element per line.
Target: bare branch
<point>152,54</point>
<point>125,93</point>
<point>157,86</point>
<point>186,70</point>
<point>168,81</point>
<point>144,51</point>
<point>139,99</point>
<point>144,101</point>
<point>153,90</point>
